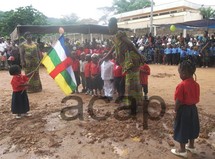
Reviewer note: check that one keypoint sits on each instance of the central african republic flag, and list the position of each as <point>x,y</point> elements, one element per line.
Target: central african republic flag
<point>58,65</point>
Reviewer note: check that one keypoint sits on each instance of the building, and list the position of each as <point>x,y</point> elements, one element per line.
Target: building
<point>169,13</point>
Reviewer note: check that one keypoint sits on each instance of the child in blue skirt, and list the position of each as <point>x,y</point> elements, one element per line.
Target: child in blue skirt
<point>186,126</point>
<point>19,82</point>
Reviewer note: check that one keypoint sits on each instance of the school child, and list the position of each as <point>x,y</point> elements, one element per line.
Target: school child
<point>107,77</point>
<point>96,75</point>
<point>178,54</point>
<point>212,54</point>
<point>189,52</point>
<point>196,56</point>
<point>161,55</point>
<point>168,55</point>
<point>3,54</point>
<point>76,69</point>
<point>82,66</point>
<point>186,126</point>
<point>87,74</point>
<point>119,81</point>
<point>144,73</point>
<point>174,51</point>
<point>183,53</point>
<point>19,82</point>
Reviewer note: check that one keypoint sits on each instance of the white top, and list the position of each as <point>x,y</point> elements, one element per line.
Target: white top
<point>107,70</point>
<point>82,65</point>
<point>2,47</point>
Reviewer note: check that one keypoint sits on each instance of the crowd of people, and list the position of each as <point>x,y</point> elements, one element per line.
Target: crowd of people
<point>119,65</point>
<point>172,49</point>
<point>128,72</point>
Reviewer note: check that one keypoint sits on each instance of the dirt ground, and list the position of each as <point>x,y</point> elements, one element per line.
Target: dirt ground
<point>46,136</point>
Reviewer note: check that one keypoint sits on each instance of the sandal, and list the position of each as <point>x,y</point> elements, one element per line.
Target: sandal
<point>26,114</point>
<point>192,150</point>
<point>18,116</point>
<point>177,153</point>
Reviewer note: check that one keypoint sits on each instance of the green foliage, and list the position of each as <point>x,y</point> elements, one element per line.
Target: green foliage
<point>54,21</point>
<point>207,13</point>
<point>122,6</point>
<point>1,15</point>
<point>70,19</point>
<point>21,16</point>
<point>106,12</point>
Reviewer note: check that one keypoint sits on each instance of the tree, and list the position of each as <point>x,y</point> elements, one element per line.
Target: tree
<point>70,19</point>
<point>1,15</point>
<point>106,13</point>
<point>207,13</point>
<point>21,16</point>
<point>122,6</point>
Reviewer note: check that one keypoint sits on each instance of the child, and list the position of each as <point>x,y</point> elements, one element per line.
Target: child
<point>96,75</point>
<point>107,77</point>
<point>168,55</point>
<point>76,68</point>
<point>19,82</point>
<point>119,81</point>
<point>87,74</point>
<point>186,126</point>
<point>82,66</point>
<point>144,73</point>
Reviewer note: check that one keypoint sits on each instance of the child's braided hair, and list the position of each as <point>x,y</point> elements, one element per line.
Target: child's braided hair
<point>188,66</point>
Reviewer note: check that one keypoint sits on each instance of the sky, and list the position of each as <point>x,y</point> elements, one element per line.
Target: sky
<point>82,8</point>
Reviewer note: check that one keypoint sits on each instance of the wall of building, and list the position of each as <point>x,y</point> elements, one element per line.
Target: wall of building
<point>170,13</point>
<point>161,19</point>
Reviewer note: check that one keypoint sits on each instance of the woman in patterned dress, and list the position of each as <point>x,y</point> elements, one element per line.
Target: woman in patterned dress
<point>30,58</point>
<point>128,57</point>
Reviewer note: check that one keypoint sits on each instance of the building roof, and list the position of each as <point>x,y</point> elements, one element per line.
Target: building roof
<point>48,29</point>
<point>204,23</point>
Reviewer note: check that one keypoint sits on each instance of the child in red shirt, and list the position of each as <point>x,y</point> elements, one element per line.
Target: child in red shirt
<point>119,81</point>
<point>96,75</point>
<point>186,126</point>
<point>19,82</point>
<point>144,73</point>
<point>76,69</point>
<point>87,74</point>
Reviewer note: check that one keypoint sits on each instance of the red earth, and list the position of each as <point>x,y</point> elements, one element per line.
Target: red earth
<point>46,135</point>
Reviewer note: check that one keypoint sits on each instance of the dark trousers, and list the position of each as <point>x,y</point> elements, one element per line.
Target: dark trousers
<point>83,80</point>
<point>145,89</point>
<point>119,84</point>
<point>88,83</point>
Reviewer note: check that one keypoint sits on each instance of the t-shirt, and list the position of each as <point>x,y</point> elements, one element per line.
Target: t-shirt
<point>82,65</point>
<point>95,69</point>
<point>75,65</point>
<point>107,70</point>
<point>117,71</point>
<point>17,80</point>
<point>144,72</point>
<point>87,67</point>
<point>187,92</point>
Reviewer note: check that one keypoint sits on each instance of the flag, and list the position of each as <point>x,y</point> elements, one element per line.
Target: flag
<point>58,65</point>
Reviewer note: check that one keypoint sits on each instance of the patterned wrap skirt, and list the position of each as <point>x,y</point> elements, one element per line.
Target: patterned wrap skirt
<point>35,82</point>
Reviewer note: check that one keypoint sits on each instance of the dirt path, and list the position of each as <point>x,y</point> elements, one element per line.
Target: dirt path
<point>46,136</point>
